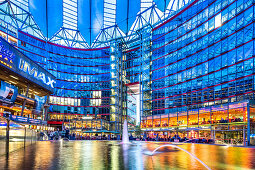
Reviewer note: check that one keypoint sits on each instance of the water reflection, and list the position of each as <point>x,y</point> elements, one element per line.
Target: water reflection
<point>110,155</point>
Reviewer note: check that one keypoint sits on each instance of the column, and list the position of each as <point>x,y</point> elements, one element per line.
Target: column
<point>24,102</point>
<point>25,133</point>
<point>248,123</point>
<point>7,137</point>
<point>46,106</point>
<point>244,137</point>
<point>75,123</point>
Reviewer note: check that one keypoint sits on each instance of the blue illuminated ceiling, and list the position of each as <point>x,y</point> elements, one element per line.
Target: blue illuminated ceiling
<point>85,23</point>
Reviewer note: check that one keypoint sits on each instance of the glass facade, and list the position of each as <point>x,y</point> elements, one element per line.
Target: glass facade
<point>201,64</point>
<point>201,58</point>
<point>83,77</point>
<point>196,69</point>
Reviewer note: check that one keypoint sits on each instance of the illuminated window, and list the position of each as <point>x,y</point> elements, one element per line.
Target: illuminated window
<point>218,20</point>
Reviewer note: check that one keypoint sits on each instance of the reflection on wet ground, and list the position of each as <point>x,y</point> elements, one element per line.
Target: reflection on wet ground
<point>110,155</point>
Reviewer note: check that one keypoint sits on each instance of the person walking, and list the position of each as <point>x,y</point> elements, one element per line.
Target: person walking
<point>67,133</point>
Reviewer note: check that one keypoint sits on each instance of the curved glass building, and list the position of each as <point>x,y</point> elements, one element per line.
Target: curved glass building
<point>201,71</point>
<point>171,67</point>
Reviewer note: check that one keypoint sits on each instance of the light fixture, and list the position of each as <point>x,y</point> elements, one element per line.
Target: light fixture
<point>87,118</point>
<point>14,77</point>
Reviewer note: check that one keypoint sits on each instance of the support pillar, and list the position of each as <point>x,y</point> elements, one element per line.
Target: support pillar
<point>23,106</point>
<point>46,106</point>
<point>24,102</point>
<point>213,132</point>
<point>63,122</point>
<point>244,137</point>
<point>248,124</point>
<point>7,136</point>
<point>25,133</point>
<point>75,124</point>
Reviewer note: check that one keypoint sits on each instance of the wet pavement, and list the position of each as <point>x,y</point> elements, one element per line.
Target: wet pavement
<point>111,155</point>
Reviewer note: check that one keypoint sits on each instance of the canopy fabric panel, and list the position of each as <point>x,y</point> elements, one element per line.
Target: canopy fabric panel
<point>126,12</point>
<point>38,10</point>
<point>55,16</point>
<point>90,18</point>
<point>162,4</point>
<point>47,14</point>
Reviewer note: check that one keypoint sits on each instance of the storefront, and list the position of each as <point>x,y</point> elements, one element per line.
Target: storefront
<point>226,123</point>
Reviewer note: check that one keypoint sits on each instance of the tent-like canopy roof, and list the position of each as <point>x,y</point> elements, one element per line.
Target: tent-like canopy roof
<point>80,23</point>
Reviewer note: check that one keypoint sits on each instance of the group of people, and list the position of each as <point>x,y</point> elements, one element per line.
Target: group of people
<point>65,134</point>
<point>56,135</point>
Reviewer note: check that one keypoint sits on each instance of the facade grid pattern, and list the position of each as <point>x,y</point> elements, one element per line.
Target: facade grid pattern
<point>202,58</point>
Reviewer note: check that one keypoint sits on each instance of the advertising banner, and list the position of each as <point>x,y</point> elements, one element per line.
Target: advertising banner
<point>19,118</point>
<point>25,120</point>
<point>8,92</point>
<point>39,103</point>
<point>13,59</point>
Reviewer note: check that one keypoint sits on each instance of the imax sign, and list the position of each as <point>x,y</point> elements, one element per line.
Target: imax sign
<point>34,72</point>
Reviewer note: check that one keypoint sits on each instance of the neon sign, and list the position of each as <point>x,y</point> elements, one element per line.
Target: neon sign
<point>6,56</point>
<point>33,71</point>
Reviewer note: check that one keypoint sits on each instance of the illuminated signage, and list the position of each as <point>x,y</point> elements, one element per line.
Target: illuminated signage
<point>87,118</point>
<point>16,61</point>
<point>8,54</point>
<point>33,71</point>
<point>8,92</point>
